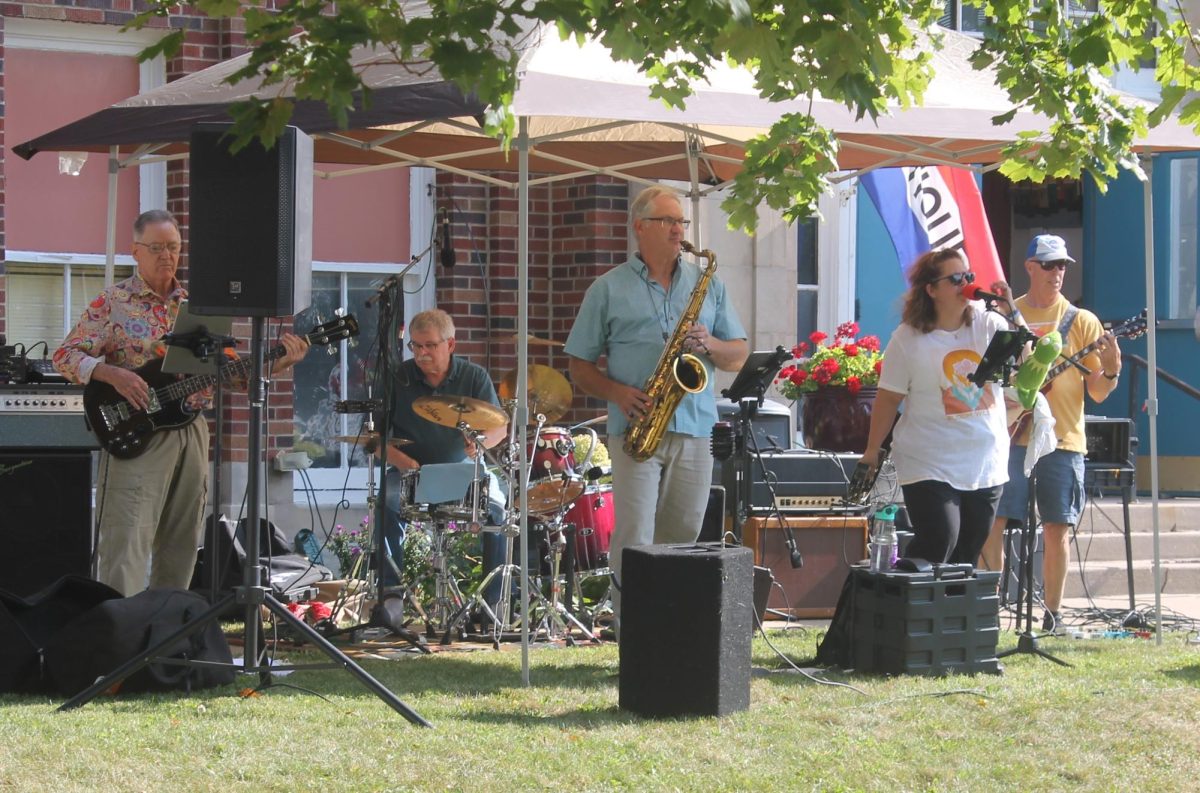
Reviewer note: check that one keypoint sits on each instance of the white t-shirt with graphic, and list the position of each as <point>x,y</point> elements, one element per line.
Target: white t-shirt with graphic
<point>951,430</point>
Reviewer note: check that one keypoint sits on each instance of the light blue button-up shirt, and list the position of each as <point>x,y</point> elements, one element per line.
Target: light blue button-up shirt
<point>628,316</point>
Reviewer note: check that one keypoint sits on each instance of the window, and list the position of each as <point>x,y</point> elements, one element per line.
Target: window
<point>806,278</point>
<point>341,371</point>
<point>963,18</point>
<point>37,293</point>
<point>1184,226</point>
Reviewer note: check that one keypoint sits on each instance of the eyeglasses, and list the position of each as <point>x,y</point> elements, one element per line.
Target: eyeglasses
<point>669,222</point>
<point>158,247</point>
<point>1057,264</point>
<point>957,279</point>
<point>417,346</point>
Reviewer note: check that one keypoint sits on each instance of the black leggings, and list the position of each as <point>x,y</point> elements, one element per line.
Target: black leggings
<point>949,525</point>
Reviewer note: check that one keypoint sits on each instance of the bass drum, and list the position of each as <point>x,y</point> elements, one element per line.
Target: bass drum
<point>594,519</point>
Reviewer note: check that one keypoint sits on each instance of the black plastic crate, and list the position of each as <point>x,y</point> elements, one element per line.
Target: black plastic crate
<point>933,623</point>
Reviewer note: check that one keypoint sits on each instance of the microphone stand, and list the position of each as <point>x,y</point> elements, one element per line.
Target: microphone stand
<point>203,345</point>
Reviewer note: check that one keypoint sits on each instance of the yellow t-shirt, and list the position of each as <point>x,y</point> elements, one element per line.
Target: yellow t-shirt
<point>1068,391</point>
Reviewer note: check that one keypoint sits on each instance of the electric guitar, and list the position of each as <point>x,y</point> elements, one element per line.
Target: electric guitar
<point>1019,418</point>
<point>862,481</point>
<point>124,430</point>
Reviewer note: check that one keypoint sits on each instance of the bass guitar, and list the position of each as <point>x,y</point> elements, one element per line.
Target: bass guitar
<point>124,430</point>
<point>1019,418</point>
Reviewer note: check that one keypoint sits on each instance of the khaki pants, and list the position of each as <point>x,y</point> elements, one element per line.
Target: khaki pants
<point>151,509</point>
<point>661,500</point>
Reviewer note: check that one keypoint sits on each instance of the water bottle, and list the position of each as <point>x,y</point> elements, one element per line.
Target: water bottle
<point>883,546</point>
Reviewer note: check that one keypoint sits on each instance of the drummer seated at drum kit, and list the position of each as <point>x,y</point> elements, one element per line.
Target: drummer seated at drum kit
<point>434,431</point>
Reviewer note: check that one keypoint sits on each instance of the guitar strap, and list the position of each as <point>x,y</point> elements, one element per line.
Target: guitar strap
<point>1068,319</point>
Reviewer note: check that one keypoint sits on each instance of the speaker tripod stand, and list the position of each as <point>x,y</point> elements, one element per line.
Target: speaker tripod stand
<point>252,594</point>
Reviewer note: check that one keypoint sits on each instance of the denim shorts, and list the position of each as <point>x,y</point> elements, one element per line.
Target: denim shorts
<point>1059,478</point>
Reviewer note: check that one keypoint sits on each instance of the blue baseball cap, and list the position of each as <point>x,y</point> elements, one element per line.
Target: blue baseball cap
<point>1048,248</point>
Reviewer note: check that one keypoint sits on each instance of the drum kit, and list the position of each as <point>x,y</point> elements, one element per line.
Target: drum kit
<point>570,517</point>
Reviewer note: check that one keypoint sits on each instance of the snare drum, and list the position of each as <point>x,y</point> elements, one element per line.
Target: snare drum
<point>554,453</point>
<point>402,489</point>
<point>594,519</point>
<point>476,497</point>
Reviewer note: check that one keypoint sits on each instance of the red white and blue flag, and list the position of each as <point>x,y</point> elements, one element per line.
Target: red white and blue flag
<point>935,207</point>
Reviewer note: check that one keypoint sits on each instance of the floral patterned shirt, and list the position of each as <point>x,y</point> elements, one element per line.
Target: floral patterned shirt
<point>123,327</point>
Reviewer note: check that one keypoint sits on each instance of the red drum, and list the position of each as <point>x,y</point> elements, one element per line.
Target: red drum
<point>554,453</point>
<point>593,516</point>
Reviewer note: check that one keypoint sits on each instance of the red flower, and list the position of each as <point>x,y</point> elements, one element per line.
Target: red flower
<point>853,384</point>
<point>879,366</point>
<point>799,350</point>
<point>786,371</point>
<point>822,376</point>
<point>851,350</point>
<point>869,343</point>
<point>816,337</point>
<point>798,377</point>
<point>831,365</point>
<point>847,330</point>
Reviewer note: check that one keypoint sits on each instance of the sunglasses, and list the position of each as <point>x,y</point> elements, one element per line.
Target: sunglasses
<point>1057,264</point>
<point>957,279</point>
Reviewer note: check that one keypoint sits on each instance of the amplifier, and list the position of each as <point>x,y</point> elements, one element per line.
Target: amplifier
<point>1110,441</point>
<point>805,481</point>
<point>35,398</point>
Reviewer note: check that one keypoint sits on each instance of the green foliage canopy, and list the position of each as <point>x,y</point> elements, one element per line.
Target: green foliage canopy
<point>857,52</point>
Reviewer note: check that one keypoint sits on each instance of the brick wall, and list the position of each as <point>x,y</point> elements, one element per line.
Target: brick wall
<point>578,229</point>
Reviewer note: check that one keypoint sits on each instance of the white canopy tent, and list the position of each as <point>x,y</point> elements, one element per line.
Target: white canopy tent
<point>580,112</point>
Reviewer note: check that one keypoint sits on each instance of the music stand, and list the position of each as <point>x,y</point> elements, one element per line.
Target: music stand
<point>748,389</point>
<point>1000,359</point>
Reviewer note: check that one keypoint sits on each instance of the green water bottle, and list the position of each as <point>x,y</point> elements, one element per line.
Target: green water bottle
<point>883,546</point>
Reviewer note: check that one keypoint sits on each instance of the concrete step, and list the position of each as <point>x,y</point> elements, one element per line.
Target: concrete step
<point>1099,579</point>
<point>1174,514</point>
<point>1110,546</point>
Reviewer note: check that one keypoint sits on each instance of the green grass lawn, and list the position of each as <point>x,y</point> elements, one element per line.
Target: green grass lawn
<point>1123,719</point>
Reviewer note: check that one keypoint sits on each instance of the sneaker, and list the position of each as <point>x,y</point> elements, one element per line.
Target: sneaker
<point>1052,623</point>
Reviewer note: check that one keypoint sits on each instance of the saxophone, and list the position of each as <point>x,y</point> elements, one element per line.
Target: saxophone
<point>675,374</point>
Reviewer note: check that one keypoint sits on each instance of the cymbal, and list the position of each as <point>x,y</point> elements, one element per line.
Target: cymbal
<point>450,410</point>
<point>549,392</point>
<point>553,494</point>
<point>534,341</point>
<point>362,440</point>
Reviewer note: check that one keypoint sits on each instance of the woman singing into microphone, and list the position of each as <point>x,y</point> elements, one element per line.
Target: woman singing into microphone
<point>951,445</point>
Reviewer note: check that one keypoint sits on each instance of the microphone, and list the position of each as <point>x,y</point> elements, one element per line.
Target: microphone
<point>447,255</point>
<point>973,292</point>
<point>722,440</point>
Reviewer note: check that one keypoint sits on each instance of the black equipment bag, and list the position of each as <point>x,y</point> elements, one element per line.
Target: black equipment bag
<point>27,625</point>
<point>285,569</point>
<point>98,641</point>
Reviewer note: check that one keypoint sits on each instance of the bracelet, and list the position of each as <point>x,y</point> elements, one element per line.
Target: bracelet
<point>1108,376</point>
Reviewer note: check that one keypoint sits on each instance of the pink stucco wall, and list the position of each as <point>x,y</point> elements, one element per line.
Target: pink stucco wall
<point>46,211</point>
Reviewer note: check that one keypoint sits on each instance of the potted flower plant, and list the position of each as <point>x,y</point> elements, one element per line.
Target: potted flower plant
<point>835,386</point>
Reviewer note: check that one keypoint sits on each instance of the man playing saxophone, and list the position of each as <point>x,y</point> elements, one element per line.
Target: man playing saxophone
<point>656,301</point>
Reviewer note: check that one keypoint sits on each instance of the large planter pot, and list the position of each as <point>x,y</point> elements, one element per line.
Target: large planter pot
<point>834,420</point>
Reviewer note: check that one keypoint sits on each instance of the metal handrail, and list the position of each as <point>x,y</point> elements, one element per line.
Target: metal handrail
<point>1167,377</point>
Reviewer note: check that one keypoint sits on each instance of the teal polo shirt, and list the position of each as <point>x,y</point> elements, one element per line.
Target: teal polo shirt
<point>628,316</point>
<point>433,443</point>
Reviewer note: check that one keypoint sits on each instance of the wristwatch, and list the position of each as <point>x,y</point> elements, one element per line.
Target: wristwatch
<point>1108,376</point>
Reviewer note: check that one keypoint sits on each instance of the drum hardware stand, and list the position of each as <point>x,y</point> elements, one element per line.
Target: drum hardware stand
<point>252,594</point>
<point>381,615</point>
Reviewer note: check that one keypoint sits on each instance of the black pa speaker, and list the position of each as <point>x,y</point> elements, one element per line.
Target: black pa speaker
<point>45,517</point>
<point>250,225</point>
<point>686,624</point>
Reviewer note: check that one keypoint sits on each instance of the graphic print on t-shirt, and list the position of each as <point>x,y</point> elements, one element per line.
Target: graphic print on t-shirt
<point>961,397</point>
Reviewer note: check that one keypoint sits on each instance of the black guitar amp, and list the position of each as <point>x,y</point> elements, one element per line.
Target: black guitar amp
<point>1110,441</point>
<point>805,482</point>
